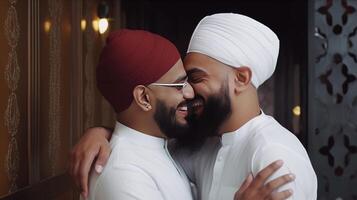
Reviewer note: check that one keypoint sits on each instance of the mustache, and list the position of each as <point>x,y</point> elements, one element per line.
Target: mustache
<point>182,103</point>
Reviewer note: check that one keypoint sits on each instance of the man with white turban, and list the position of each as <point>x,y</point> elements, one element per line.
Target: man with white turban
<point>229,57</point>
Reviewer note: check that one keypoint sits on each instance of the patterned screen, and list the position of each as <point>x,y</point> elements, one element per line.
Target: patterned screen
<point>333,97</point>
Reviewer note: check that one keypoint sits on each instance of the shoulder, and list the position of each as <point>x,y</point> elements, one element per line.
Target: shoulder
<point>269,141</point>
<point>125,164</point>
<point>124,178</point>
<point>269,133</point>
<point>124,171</point>
<point>295,161</point>
<point>126,182</point>
<point>124,153</point>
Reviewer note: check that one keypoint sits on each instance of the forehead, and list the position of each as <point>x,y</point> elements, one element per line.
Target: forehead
<point>202,62</point>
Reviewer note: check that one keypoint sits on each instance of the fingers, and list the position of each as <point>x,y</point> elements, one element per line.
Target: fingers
<point>246,183</point>
<point>281,195</point>
<point>83,172</point>
<point>71,164</point>
<point>84,195</point>
<point>243,187</point>
<point>84,153</point>
<point>71,169</point>
<point>102,158</point>
<point>257,189</point>
<point>85,165</point>
<point>278,182</point>
<point>75,168</point>
<point>265,173</point>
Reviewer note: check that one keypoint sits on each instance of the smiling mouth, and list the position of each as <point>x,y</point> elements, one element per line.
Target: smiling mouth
<point>182,108</point>
<point>196,105</point>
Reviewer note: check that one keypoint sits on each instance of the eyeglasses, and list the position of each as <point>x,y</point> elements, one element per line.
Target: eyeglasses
<point>179,86</point>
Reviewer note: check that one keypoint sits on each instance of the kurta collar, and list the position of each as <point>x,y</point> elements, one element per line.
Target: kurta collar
<point>137,137</point>
<point>230,137</point>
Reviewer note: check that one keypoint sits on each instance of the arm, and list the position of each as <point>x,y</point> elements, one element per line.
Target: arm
<point>94,144</point>
<point>134,184</point>
<point>305,184</point>
<point>256,189</point>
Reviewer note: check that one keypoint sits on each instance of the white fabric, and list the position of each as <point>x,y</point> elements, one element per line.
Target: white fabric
<point>221,166</point>
<point>139,168</point>
<point>237,40</point>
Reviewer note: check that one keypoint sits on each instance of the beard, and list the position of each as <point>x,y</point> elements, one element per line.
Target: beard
<point>165,117</point>
<point>217,109</point>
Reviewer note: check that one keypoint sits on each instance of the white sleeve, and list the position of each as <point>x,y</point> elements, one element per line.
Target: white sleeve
<point>126,182</point>
<point>305,184</point>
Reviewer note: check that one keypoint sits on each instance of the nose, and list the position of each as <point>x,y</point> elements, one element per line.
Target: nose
<point>188,92</point>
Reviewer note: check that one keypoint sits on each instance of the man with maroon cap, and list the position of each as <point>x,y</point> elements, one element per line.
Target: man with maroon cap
<point>136,73</point>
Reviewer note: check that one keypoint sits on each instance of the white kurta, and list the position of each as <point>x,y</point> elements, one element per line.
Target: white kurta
<point>222,164</point>
<point>139,167</point>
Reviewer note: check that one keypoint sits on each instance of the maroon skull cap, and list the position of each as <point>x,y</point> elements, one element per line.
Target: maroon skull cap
<point>131,58</point>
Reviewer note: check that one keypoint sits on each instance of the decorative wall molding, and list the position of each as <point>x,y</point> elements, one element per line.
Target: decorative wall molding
<point>22,79</point>
<point>12,76</point>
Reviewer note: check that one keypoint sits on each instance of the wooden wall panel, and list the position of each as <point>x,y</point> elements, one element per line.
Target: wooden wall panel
<point>54,87</point>
<point>13,92</point>
<point>48,93</point>
<point>4,92</point>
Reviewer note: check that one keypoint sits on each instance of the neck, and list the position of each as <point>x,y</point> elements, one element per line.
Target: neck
<point>140,121</point>
<point>245,107</point>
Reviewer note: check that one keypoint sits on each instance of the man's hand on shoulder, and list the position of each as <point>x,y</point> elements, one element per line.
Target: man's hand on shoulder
<point>93,145</point>
<point>257,188</point>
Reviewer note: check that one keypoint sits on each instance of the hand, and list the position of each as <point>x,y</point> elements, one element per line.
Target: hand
<point>256,189</point>
<point>94,144</point>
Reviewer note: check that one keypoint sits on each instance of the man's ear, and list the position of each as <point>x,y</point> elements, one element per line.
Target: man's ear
<point>142,97</point>
<point>242,79</point>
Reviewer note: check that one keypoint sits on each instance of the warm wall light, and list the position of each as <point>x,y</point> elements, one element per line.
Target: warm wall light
<point>95,24</point>
<point>297,111</point>
<point>47,26</point>
<point>103,25</point>
<point>83,24</point>
<point>103,12</point>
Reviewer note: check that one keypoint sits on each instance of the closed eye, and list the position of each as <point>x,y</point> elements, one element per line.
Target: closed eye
<point>196,75</point>
<point>195,79</point>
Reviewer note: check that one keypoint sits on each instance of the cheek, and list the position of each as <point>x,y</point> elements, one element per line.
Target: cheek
<point>204,89</point>
<point>172,99</point>
<point>198,88</point>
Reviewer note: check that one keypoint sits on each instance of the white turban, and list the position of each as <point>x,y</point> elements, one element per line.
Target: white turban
<point>237,40</point>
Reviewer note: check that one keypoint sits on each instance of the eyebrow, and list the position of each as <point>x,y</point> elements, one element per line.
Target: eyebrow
<point>195,70</point>
<point>181,78</point>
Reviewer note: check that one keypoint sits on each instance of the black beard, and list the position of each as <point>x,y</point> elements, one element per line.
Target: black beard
<point>217,109</point>
<point>165,118</point>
